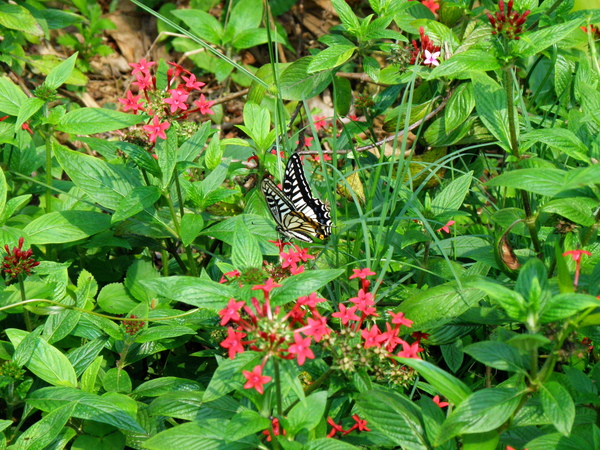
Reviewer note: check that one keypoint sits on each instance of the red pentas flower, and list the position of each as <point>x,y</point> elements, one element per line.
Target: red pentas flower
<point>177,100</point>
<point>410,351</point>
<point>233,342</point>
<point>156,129</point>
<point>256,379</point>
<point>132,102</point>
<point>446,228</point>
<point>301,348</point>
<point>335,427</point>
<point>576,256</point>
<point>508,23</point>
<point>231,311</point>
<point>360,425</point>
<point>17,261</point>
<point>142,67</point>
<point>320,122</point>
<point>204,105</point>
<point>437,401</point>
<point>431,4</point>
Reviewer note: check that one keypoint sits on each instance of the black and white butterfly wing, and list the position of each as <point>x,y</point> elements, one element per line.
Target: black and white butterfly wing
<point>290,223</point>
<point>297,190</point>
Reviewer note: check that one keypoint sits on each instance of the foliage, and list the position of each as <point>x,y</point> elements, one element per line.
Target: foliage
<point>148,302</point>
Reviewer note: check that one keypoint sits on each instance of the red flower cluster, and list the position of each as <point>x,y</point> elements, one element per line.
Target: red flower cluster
<point>417,54</point>
<point>360,425</point>
<point>170,104</point>
<point>18,261</point>
<point>133,326</point>
<point>510,24</point>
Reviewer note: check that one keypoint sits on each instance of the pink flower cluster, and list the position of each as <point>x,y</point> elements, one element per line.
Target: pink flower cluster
<point>164,105</point>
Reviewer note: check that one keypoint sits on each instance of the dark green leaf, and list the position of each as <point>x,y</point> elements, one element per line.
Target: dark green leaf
<point>66,226</point>
<point>303,284</point>
<point>89,406</point>
<point>96,120</point>
<point>192,291</point>
<point>558,406</point>
<point>498,355</point>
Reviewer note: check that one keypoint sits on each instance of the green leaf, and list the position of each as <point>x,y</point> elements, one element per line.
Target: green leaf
<point>498,355</point>
<point>482,411</point>
<point>137,200</point>
<point>245,251</point>
<point>117,380</point>
<point>342,95</point>
<point>191,227</point>
<point>346,15</point>
<point>395,416</point>
<point>82,357</point>
<point>106,184</point>
<point>560,139</point>
<point>548,182</point>
<point>28,108</point>
<point>45,361</point>
<point>565,305</point>
<point>192,291</point>
<point>490,102</point>
<point>166,151</point>
<point>42,433</point>
<point>89,406</point>
<point>201,435</point>
<point>329,444</point>
<point>16,17</point>
<point>246,423</point>
<point>512,302</point>
<point>96,120</point>
<point>535,42</point>
<point>452,196</point>
<point>330,58</point>
<point>228,375</point>
<point>460,64</point>
<point>114,298</point>
<point>558,406</point>
<point>11,96</point>
<point>202,24</point>
<point>303,284</point>
<point>307,413</point>
<point>576,209</point>
<point>459,107</point>
<point>296,83</point>
<point>66,226</point>
<point>61,73</point>
<point>164,385</point>
<point>447,385</point>
<point>371,68</point>
<point>162,332</point>
<point>438,305</point>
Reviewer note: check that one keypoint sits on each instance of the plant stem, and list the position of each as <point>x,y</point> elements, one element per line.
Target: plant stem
<point>591,230</point>
<point>278,388</point>
<point>26,315</point>
<point>514,145</point>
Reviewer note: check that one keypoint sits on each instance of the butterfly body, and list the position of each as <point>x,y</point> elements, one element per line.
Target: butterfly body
<point>298,214</point>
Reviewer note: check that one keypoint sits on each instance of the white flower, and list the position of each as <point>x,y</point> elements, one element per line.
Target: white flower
<point>431,58</point>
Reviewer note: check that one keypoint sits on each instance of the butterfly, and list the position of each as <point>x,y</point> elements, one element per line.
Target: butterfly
<point>298,214</point>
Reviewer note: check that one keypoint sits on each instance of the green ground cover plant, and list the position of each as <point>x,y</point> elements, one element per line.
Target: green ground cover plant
<point>150,302</point>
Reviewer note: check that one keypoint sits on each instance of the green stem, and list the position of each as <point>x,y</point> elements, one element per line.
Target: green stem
<point>26,316</point>
<point>514,145</point>
<point>106,316</point>
<point>425,262</point>
<point>591,230</point>
<point>188,248</point>
<point>278,388</point>
<point>48,195</point>
<point>311,388</point>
